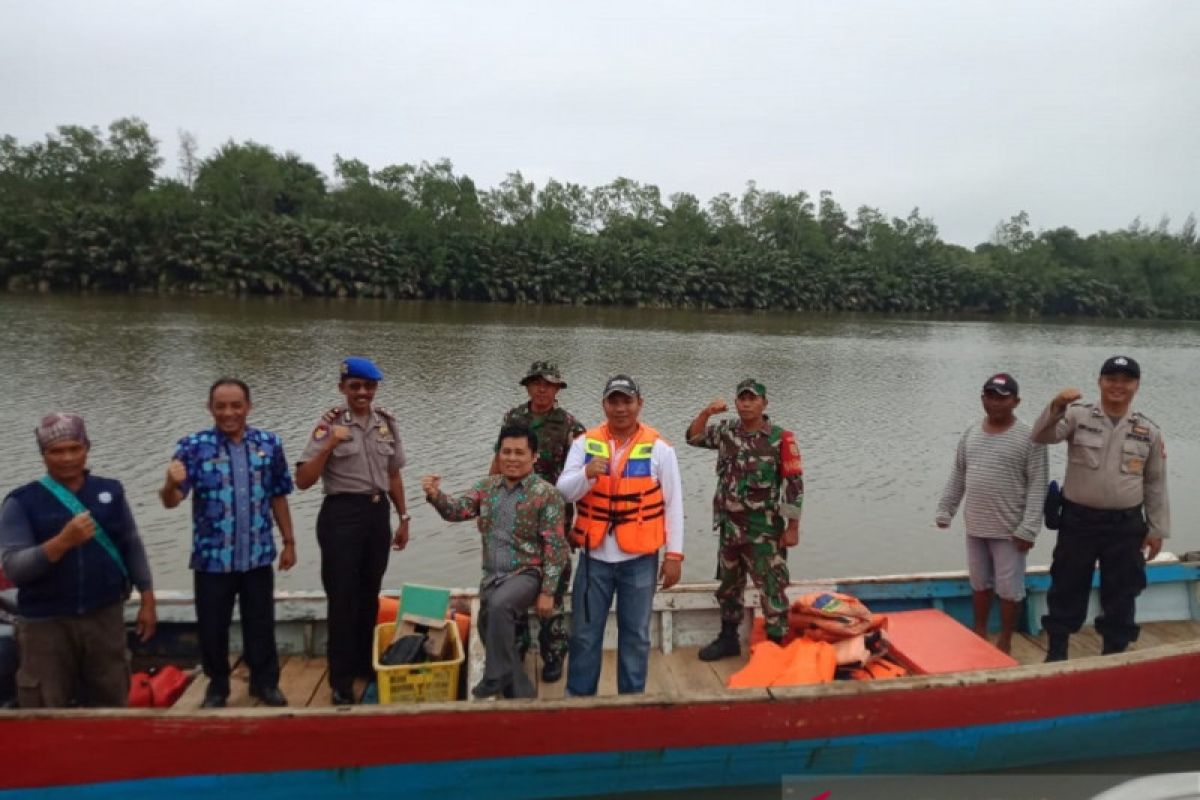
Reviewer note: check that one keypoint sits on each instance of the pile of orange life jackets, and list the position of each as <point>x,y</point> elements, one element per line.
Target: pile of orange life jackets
<point>831,635</point>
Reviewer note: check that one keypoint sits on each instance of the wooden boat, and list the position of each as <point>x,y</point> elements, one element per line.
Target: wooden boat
<point>688,730</point>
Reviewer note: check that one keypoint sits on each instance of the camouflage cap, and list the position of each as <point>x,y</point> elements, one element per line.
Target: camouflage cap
<point>547,371</point>
<point>752,386</point>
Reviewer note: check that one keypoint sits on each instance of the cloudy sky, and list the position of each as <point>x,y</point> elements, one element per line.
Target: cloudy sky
<point>1082,113</point>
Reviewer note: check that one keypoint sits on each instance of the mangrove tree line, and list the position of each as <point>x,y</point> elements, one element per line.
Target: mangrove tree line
<point>87,209</point>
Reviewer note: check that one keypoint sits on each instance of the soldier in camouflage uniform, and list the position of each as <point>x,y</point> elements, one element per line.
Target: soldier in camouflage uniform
<point>555,429</point>
<point>756,510</point>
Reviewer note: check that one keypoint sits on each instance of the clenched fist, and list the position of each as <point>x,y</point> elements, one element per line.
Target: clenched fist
<point>596,467</point>
<point>431,485</point>
<point>176,474</point>
<point>1065,398</point>
<point>81,528</point>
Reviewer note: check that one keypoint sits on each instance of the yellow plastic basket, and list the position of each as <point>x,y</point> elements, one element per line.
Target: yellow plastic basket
<point>417,683</point>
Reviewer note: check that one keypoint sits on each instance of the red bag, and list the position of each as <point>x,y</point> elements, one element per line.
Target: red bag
<point>158,687</point>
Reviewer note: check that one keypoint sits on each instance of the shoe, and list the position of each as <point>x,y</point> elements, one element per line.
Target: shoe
<point>343,697</point>
<point>1057,650</point>
<point>490,689</point>
<point>1112,648</point>
<point>270,696</point>
<point>213,700</point>
<point>552,669</point>
<point>726,645</point>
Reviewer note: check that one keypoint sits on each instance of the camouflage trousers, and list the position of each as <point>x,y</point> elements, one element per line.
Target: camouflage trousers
<point>763,560</point>
<point>553,633</point>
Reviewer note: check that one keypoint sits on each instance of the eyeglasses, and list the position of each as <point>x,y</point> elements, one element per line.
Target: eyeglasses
<point>358,386</point>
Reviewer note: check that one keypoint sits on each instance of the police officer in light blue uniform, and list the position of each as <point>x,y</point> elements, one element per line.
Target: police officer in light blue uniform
<point>355,451</point>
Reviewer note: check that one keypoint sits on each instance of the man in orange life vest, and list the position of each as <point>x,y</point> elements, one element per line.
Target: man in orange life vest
<point>624,479</point>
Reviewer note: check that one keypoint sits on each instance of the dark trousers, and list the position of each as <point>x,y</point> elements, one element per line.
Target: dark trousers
<point>254,592</point>
<point>353,533</point>
<point>554,634</point>
<point>1085,537</point>
<point>501,606</point>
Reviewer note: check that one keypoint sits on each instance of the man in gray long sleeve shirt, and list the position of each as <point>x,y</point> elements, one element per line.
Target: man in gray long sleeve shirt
<point>1003,475</point>
<point>1114,506</point>
<point>69,543</point>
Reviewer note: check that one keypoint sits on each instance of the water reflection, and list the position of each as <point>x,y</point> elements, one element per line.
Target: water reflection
<point>877,403</point>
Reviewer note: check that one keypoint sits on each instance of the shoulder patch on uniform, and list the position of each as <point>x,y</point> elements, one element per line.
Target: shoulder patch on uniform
<point>790,452</point>
<point>320,432</point>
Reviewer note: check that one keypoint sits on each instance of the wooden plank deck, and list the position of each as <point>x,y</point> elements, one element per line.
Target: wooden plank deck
<point>674,675</point>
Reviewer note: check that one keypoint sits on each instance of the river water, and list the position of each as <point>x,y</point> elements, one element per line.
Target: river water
<point>877,404</point>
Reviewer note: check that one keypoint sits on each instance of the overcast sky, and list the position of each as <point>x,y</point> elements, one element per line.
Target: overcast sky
<point>1084,114</point>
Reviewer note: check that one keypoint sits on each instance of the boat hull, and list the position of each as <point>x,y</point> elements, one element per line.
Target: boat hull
<point>1131,704</point>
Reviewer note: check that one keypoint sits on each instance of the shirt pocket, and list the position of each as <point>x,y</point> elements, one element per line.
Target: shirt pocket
<point>350,447</point>
<point>385,449</point>
<point>1086,448</point>
<point>1133,456</point>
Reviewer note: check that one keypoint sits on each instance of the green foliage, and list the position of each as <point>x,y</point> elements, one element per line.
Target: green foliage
<point>84,211</point>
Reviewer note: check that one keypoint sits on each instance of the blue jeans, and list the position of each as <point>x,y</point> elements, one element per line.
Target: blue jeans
<point>596,581</point>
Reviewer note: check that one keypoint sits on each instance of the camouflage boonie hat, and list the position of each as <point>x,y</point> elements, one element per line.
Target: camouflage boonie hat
<point>547,371</point>
<point>752,386</point>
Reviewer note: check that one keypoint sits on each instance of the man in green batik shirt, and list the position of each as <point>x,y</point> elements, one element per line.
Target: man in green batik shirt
<point>555,429</point>
<point>756,510</point>
<point>520,518</point>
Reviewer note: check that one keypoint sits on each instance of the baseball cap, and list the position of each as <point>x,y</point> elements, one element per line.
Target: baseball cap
<point>1123,364</point>
<point>1002,383</point>
<point>621,384</point>
<point>359,367</point>
<point>547,371</point>
<point>753,386</point>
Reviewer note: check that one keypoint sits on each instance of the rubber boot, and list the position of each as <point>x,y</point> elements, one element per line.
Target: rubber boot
<point>724,646</point>
<point>1057,651</point>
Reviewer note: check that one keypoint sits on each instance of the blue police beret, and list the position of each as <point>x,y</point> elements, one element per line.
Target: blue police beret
<point>359,367</point>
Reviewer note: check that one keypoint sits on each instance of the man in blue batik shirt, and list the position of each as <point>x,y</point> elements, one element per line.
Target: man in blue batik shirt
<point>239,481</point>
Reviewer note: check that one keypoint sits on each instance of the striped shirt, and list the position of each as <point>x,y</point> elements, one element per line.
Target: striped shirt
<point>1003,476</point>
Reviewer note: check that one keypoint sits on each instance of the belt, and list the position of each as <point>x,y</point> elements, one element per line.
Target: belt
<point>1102,514</point>
<point>352,497</point>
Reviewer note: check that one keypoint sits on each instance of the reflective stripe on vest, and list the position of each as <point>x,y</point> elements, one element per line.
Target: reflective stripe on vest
<point>629,506</point>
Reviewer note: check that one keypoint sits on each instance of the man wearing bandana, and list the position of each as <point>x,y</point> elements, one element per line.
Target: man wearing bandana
<point>69,543</point>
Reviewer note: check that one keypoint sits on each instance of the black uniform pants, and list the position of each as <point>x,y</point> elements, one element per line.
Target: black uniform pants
<point>354,535</point>
<point>254,592</point>
<point>1085,537</point>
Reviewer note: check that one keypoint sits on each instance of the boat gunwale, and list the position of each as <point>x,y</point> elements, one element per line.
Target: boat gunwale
<point>1032,673</point>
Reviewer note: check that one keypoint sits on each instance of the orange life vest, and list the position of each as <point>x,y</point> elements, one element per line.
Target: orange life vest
<point>803,661</point>
<point>831,616</point>
<point>627,502</point>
